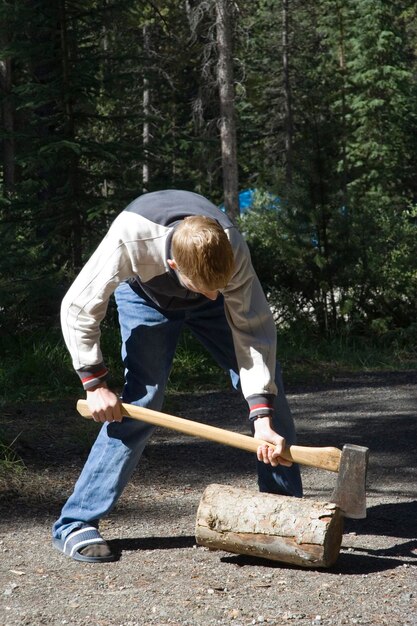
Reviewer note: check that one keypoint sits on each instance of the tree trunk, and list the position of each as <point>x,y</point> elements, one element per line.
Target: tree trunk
<point>146,135</point>
<point>288,116</point>
<point>342,66</point>
<point>279,528</point>
<point>8,126</point>
<point>227,106</point>
<point>67,99</point>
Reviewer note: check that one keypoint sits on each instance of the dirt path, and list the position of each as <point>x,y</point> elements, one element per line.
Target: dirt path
<point>162,578</point>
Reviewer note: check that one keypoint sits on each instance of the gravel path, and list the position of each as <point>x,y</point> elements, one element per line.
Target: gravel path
<point>162,578</point>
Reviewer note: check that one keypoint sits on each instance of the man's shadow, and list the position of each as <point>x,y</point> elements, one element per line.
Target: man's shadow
<point>133,544</point>
<point>395,519</point>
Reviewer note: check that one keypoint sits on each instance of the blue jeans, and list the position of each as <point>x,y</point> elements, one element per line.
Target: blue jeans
<point>149,340</point>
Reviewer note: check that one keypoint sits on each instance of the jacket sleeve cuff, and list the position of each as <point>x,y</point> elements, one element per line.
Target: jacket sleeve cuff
<point>93,375</point>
<point>260,406</point>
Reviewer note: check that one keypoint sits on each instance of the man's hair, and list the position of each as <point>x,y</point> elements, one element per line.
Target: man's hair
<point>203,253</point>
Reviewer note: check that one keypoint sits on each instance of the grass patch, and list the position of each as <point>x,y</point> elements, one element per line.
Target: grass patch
<point>194,369</point>
<point>308,358</point>
<point>37,366</point>
<point>10,461</point>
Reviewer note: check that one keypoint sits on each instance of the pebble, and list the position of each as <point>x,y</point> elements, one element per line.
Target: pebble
<point>406,597</point>
<point>9,590</point>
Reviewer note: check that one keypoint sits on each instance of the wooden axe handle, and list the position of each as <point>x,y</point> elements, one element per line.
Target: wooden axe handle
<point>324,458</point>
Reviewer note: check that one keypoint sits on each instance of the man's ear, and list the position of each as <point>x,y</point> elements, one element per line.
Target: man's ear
<point>172,264</point>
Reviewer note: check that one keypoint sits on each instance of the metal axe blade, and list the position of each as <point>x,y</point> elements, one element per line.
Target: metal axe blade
<point>350,491</point>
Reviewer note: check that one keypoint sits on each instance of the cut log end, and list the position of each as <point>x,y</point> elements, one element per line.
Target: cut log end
<point>280,528</point>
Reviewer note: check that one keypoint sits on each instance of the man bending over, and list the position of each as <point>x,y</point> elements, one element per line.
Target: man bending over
<point>172,260</point>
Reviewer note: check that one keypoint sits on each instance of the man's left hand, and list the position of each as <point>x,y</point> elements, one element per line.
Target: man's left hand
<point>269,454</point>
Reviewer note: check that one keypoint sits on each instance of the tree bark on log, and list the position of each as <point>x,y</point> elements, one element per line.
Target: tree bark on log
<point>292,530</point>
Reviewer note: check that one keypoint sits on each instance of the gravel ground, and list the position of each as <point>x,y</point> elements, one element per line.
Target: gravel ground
<point>162,578</point>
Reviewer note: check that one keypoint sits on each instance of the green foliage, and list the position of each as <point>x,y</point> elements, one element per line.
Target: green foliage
<point>334,293</point>
<point>340,253</point>
<point>308,358</point>
<point>34,365</point>
<point>381,102</point>
<point>43,368</point>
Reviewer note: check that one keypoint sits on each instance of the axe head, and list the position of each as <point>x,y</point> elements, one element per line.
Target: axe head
<point>350,490</point>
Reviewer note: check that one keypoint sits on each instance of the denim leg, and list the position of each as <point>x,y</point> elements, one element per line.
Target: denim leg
<point>210,327</point>
<point>149,340</point>
<point>281,480</point>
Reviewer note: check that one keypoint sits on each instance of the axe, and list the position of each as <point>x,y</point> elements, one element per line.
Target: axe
<point>350,463</point>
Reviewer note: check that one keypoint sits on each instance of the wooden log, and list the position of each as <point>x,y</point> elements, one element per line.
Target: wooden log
<point>292,530</point>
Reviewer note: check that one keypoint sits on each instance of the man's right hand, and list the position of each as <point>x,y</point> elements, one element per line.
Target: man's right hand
<point>104,404</point>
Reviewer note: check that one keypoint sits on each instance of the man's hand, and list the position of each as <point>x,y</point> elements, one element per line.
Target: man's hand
<point>104,404</point>
<point>269,454</point>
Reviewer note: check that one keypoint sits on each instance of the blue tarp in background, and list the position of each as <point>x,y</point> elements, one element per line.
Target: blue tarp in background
<point>246,198</point>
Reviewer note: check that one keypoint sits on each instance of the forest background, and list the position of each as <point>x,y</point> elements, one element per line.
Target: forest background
<point>310,103</point>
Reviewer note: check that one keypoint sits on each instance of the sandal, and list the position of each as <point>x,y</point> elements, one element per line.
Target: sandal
<point>79,539</point>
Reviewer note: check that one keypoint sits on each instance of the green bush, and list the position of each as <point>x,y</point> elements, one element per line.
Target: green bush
<point>362,281</point>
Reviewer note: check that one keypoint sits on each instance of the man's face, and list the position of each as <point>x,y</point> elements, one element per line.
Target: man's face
<point>211,295</point>
<point>188,284</point>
